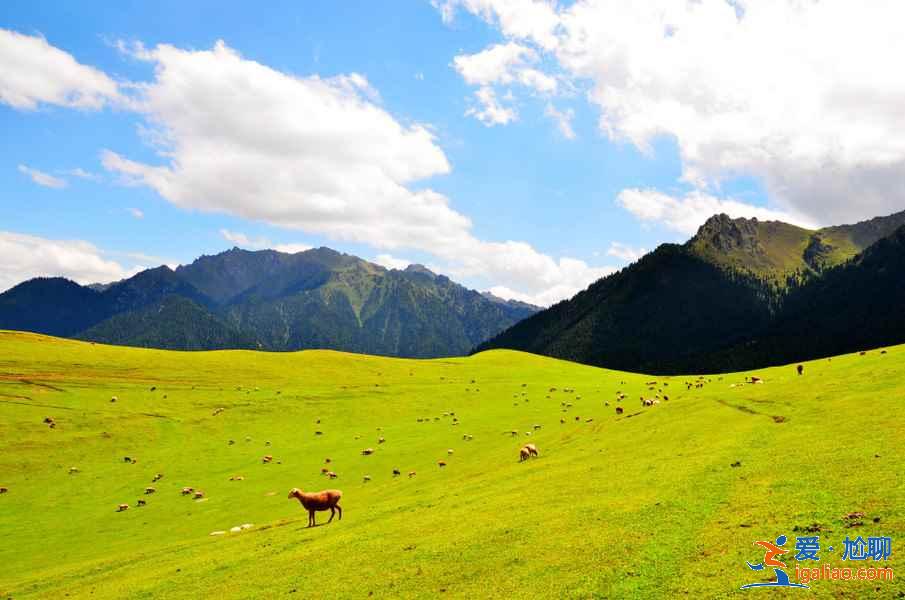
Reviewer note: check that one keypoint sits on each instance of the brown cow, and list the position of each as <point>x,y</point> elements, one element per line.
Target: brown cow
<point>315,501</point>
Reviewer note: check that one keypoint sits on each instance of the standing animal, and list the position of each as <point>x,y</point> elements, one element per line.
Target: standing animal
<point>800,369</point>
<point>122,507</point>
<point>318,501</point>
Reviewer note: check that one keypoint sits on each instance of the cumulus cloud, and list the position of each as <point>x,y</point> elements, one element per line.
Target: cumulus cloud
<point>27,256</point>
<point>33,72</point>
<point>534,20</point>
<point>504,64</point>
<point>320,156</point>
<point>625,252</point>
<point>802,96</point>
<point>491,112</point>
<point>43,179</point>
<point>687,213</point>
<point>314,154</point>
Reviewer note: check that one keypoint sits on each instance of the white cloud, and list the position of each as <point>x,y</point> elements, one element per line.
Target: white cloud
<point>137,213</point>
<point>27,256</point>
<point>312,154</point>
<point>261,243</point>
<point>534,20</point>
<point>805,97</point>
<point>43,179</point>
<point>562,119</point>
<point>291,248</point>
<point>491,111</point>
<point>391,262</point>
<point>32,72</point>
<point>504,64</point>
<point>687,213</point>
<point>625,252</point>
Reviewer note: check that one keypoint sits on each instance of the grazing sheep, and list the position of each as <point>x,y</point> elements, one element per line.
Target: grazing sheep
<point>318,501</point>
<point>800,369</point>
<point>141,502</point>
<point>449,451</point>
<point>536,427</point>
<point>327,461</point>
<point>367,478</point>
<point>412,474</point>
<point>187,490</point>
<point>367,451</point>
<point>114,399</point>
<point>73,470</point>
<point>381,440</point>
<point>332,475</point>
<point>523,454</point>
<point>198,494</point>
<point>231,442</point>
<point>318,433</point>
<point>129,459</point>
<point>324,470</point>
<point>122,507</point>
<point>532,449</point>
<point>562,420</point>
<point>48,420</point>
<point>157,478</point>
<point>513,433</point>
<point>441,463</point>
<point>150,490</point>
<point>619,410</point>
<point>267,459</point>
<point>396,472</point>
<point>4,490</point>
<point>237,478</point>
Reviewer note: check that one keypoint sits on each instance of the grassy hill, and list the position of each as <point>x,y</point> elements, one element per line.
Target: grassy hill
<point>643,504</point>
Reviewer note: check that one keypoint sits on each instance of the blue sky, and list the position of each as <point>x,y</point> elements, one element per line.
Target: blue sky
<point>527,205</point>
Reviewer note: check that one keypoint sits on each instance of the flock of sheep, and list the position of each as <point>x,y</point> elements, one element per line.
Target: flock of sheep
<point>329,499</point>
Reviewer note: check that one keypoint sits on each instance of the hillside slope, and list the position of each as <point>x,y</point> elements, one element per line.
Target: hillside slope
<point>646,504</point>
<point>740,294</point>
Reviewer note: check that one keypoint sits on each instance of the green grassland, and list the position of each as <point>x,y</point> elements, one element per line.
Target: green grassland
<point>643,504</point>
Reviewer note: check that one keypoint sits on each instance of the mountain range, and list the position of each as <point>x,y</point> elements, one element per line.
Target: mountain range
<point>740,294</point>
<point>269,300</point>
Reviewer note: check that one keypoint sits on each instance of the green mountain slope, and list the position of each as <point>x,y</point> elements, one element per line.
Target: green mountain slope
<point>777,250</point>
<point>174,322</point>
<point>710,304</point>
<point>646,504</point>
